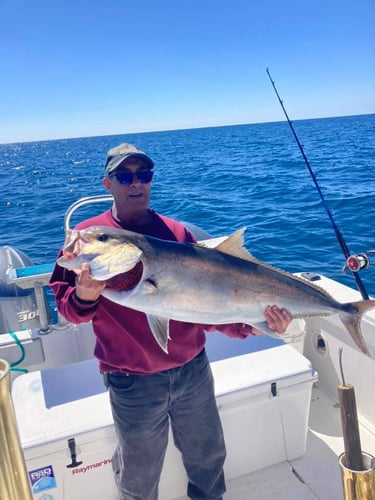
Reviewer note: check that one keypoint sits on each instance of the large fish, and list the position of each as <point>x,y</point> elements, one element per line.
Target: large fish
<point>193,283</point>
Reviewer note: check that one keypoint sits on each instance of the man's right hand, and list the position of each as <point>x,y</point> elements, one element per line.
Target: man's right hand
<point>88,288</point>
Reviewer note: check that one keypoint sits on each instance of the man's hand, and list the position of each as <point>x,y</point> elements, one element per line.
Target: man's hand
<point>88,288</point>
<point>277,319</point>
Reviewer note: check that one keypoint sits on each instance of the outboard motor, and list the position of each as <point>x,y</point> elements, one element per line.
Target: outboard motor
<point>18,306</point>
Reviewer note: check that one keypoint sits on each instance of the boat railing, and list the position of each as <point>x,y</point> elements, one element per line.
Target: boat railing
<point>81,203</point>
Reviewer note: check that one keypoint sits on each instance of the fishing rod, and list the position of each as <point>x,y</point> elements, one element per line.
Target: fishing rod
<point>353,262</point>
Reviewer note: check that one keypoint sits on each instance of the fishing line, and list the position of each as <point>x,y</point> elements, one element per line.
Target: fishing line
<point>338,233</point>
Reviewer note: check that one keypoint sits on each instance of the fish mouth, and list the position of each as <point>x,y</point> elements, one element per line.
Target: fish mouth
<point>74,244</point>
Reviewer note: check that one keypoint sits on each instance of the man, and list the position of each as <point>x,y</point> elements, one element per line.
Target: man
<point>147,387</point>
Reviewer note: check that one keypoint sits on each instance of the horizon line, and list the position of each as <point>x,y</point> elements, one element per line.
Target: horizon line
<point>179,129</point>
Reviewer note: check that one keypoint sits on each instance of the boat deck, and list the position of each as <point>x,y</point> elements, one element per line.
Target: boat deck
<point>316,475</point>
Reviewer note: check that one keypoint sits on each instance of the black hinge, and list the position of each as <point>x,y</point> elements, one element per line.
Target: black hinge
<point>274,389</point>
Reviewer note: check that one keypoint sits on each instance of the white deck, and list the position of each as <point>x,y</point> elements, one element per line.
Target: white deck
<point>317,475</point>
<point>314,476</point>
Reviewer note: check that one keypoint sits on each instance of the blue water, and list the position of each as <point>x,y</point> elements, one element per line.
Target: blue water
<point>219,178</point>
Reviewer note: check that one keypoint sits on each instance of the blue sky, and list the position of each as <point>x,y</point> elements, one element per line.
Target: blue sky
<point>74,68</point>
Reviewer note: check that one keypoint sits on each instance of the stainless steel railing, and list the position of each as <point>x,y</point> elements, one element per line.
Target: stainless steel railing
<point>81,203</point>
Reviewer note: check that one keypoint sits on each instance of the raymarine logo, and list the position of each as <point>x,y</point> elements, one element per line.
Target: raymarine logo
<point>87,468</point>
<point>42,479</point>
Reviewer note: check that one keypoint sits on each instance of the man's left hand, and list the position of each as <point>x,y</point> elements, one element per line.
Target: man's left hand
<point>277,319</point>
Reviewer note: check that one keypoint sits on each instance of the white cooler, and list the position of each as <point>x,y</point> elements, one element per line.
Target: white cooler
<point>263,399</point>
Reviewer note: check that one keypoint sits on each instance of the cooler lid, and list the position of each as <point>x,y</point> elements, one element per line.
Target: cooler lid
<point>257,370</point>
<point>60,402</point>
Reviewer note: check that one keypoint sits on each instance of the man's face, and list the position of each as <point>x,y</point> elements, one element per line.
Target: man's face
<point>130,192</point>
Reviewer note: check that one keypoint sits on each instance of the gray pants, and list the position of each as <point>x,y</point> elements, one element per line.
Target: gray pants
<point>143,405</point>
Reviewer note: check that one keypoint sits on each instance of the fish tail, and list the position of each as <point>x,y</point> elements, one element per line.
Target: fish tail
<point>351,316</point>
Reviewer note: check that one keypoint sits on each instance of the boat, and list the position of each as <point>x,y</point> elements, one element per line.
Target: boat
<point>280,403</point>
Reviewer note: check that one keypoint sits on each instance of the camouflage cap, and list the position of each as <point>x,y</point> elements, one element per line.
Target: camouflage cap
<point>117,155</point>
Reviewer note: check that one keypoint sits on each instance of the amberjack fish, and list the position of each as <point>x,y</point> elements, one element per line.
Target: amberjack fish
<point>197,284</point>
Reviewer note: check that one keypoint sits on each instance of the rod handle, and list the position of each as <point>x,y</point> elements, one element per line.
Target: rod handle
<point>350,428</point>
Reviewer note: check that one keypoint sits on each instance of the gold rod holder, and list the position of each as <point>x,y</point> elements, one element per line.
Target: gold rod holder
<point>358,485</point>
<point>14,481</point>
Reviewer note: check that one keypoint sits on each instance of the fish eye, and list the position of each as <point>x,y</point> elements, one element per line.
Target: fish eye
<point>102,237</point>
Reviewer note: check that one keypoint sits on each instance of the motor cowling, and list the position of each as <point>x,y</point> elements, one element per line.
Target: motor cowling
<point>18,306</point>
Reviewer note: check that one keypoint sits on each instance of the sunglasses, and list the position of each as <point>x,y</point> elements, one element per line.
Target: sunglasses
<point>126,178</point>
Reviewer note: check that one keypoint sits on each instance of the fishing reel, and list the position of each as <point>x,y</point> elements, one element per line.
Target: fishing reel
<point>357,262</point>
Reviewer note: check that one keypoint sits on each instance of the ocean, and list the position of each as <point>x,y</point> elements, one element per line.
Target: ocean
<point>221,179</point>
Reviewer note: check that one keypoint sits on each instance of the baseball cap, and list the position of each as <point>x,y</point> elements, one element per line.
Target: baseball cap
<point>118,154</point>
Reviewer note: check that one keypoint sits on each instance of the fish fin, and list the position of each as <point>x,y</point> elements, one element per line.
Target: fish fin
<point>234,245</point>
<point>160,330</point>
<point>351,318</point>
<point>211,242</point>
<point>294,333</point>
<point>264,328</point>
